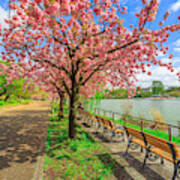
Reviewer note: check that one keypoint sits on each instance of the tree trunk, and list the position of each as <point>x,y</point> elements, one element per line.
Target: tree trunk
<point>4,92</point>
<point>72,128</point>
<point>73,108</point>
<point>7,97</point>
<point>60,115</point>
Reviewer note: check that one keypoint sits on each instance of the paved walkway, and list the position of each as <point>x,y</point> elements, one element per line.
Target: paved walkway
<point>129,167</point>
<point>23,131</point>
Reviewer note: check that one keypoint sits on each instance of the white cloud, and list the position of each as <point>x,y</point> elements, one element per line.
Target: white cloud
<point>123,2</point>
<point>177,43</point>
<point>177,49</point>
<point>175,6</point>
<point>177,46</point>
<point>160,54</point>
<point>160,74</point>
<point>3,15</point>
<point>165,60</point>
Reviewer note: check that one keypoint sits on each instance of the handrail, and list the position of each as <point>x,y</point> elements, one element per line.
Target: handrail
<point>140,118</point>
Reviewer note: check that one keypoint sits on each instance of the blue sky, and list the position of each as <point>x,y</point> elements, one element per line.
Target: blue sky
<point>134,6</point>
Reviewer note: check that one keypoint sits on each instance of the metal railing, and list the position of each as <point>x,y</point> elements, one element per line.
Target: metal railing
<point>142,122</point>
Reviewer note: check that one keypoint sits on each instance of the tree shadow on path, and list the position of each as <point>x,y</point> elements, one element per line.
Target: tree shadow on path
<point>22,136</point>
<point>117,169</point>
<point>147,172</point>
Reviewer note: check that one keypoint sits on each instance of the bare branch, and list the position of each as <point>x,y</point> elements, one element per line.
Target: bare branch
<point>53,65</point>
<point>123,46</point>
<point>66,88</point>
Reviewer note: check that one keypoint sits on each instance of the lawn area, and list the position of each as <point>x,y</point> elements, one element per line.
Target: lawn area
<point>12,101</point>
<point>74,159</point>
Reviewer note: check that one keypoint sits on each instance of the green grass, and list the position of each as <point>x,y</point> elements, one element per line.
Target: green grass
<point>74,159</point>
<point>12,101</point>
<point>155,132</point>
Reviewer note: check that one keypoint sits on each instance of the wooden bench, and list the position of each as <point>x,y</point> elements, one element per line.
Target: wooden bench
<point>87,117</point>
<point>108,127</point>
<point>155,148</point>
<point>82,114</point>
<point>101,122</point>
<point>164,149</point>
<point>135,139</point>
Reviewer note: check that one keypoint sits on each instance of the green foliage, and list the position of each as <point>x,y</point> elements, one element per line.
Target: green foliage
<point>141,93</point>
<point>13,101</point>
<point>117,93</point>
<point>74,159</point>
<point>14,90</point>
<point>55,108</point>
<point>157,87</point>
<point>175,93</point>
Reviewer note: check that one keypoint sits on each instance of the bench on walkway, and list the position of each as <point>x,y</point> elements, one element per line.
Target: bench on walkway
<point>155,148</point>
<point>109,127</point>
<point>135,139</point>
<point>84,115</point>
<point>164,149</point>
<point>100,122</point>
<point>87,117</point>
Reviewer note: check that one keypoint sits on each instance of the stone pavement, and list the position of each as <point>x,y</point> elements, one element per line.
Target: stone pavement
<point>129,166</point>
<point>23,132</point>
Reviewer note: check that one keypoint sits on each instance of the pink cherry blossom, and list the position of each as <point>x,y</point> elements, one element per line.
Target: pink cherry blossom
<point>77,55</point>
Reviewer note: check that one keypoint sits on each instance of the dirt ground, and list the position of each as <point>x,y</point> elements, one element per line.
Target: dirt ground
<point>23,131</point>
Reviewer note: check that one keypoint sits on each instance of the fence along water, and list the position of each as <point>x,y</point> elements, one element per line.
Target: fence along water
<point>171,130</point>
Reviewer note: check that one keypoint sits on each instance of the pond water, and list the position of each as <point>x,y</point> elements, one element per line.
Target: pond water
<point>169,108</point>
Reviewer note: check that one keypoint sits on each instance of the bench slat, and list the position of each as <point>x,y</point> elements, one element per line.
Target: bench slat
<point>160,143</point>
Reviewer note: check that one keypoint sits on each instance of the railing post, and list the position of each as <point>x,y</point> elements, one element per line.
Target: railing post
<point>110,113</point>
<point>179,128</point>
<point>113,116</point>
<point>170,134</point>
<point>141,125</point>
<point>124,120</point>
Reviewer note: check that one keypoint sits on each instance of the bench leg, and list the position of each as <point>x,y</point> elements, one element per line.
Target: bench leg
<point>145,158</point>
<point>98,126</point>
<point>141,149</point>
<point>175,172</point>
<point>118,136</point>
<point>129,143</point>
<point>162,161</point>
<point>113,134</point>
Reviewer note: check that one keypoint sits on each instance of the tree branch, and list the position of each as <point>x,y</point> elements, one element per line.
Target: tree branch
<point>4,92</point>
<point>53,65</point>
<point>66,88</point>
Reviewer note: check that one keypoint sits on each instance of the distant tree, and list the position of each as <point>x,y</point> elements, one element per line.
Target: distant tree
<point>142,93</point>
<point>16,88</point>
<point>157,87</point>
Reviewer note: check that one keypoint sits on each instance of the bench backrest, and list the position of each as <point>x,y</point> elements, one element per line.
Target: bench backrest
<point>110,124</point>
<point>98,118</point>
<point>134,133</point>
<point>91,116</point>
<point>162,144</point>
<point>105,122</point>
<point>80,110</point>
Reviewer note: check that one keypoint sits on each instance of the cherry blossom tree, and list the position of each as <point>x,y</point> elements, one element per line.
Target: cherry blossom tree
<point>53,84</point>
<point>83,41</point>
